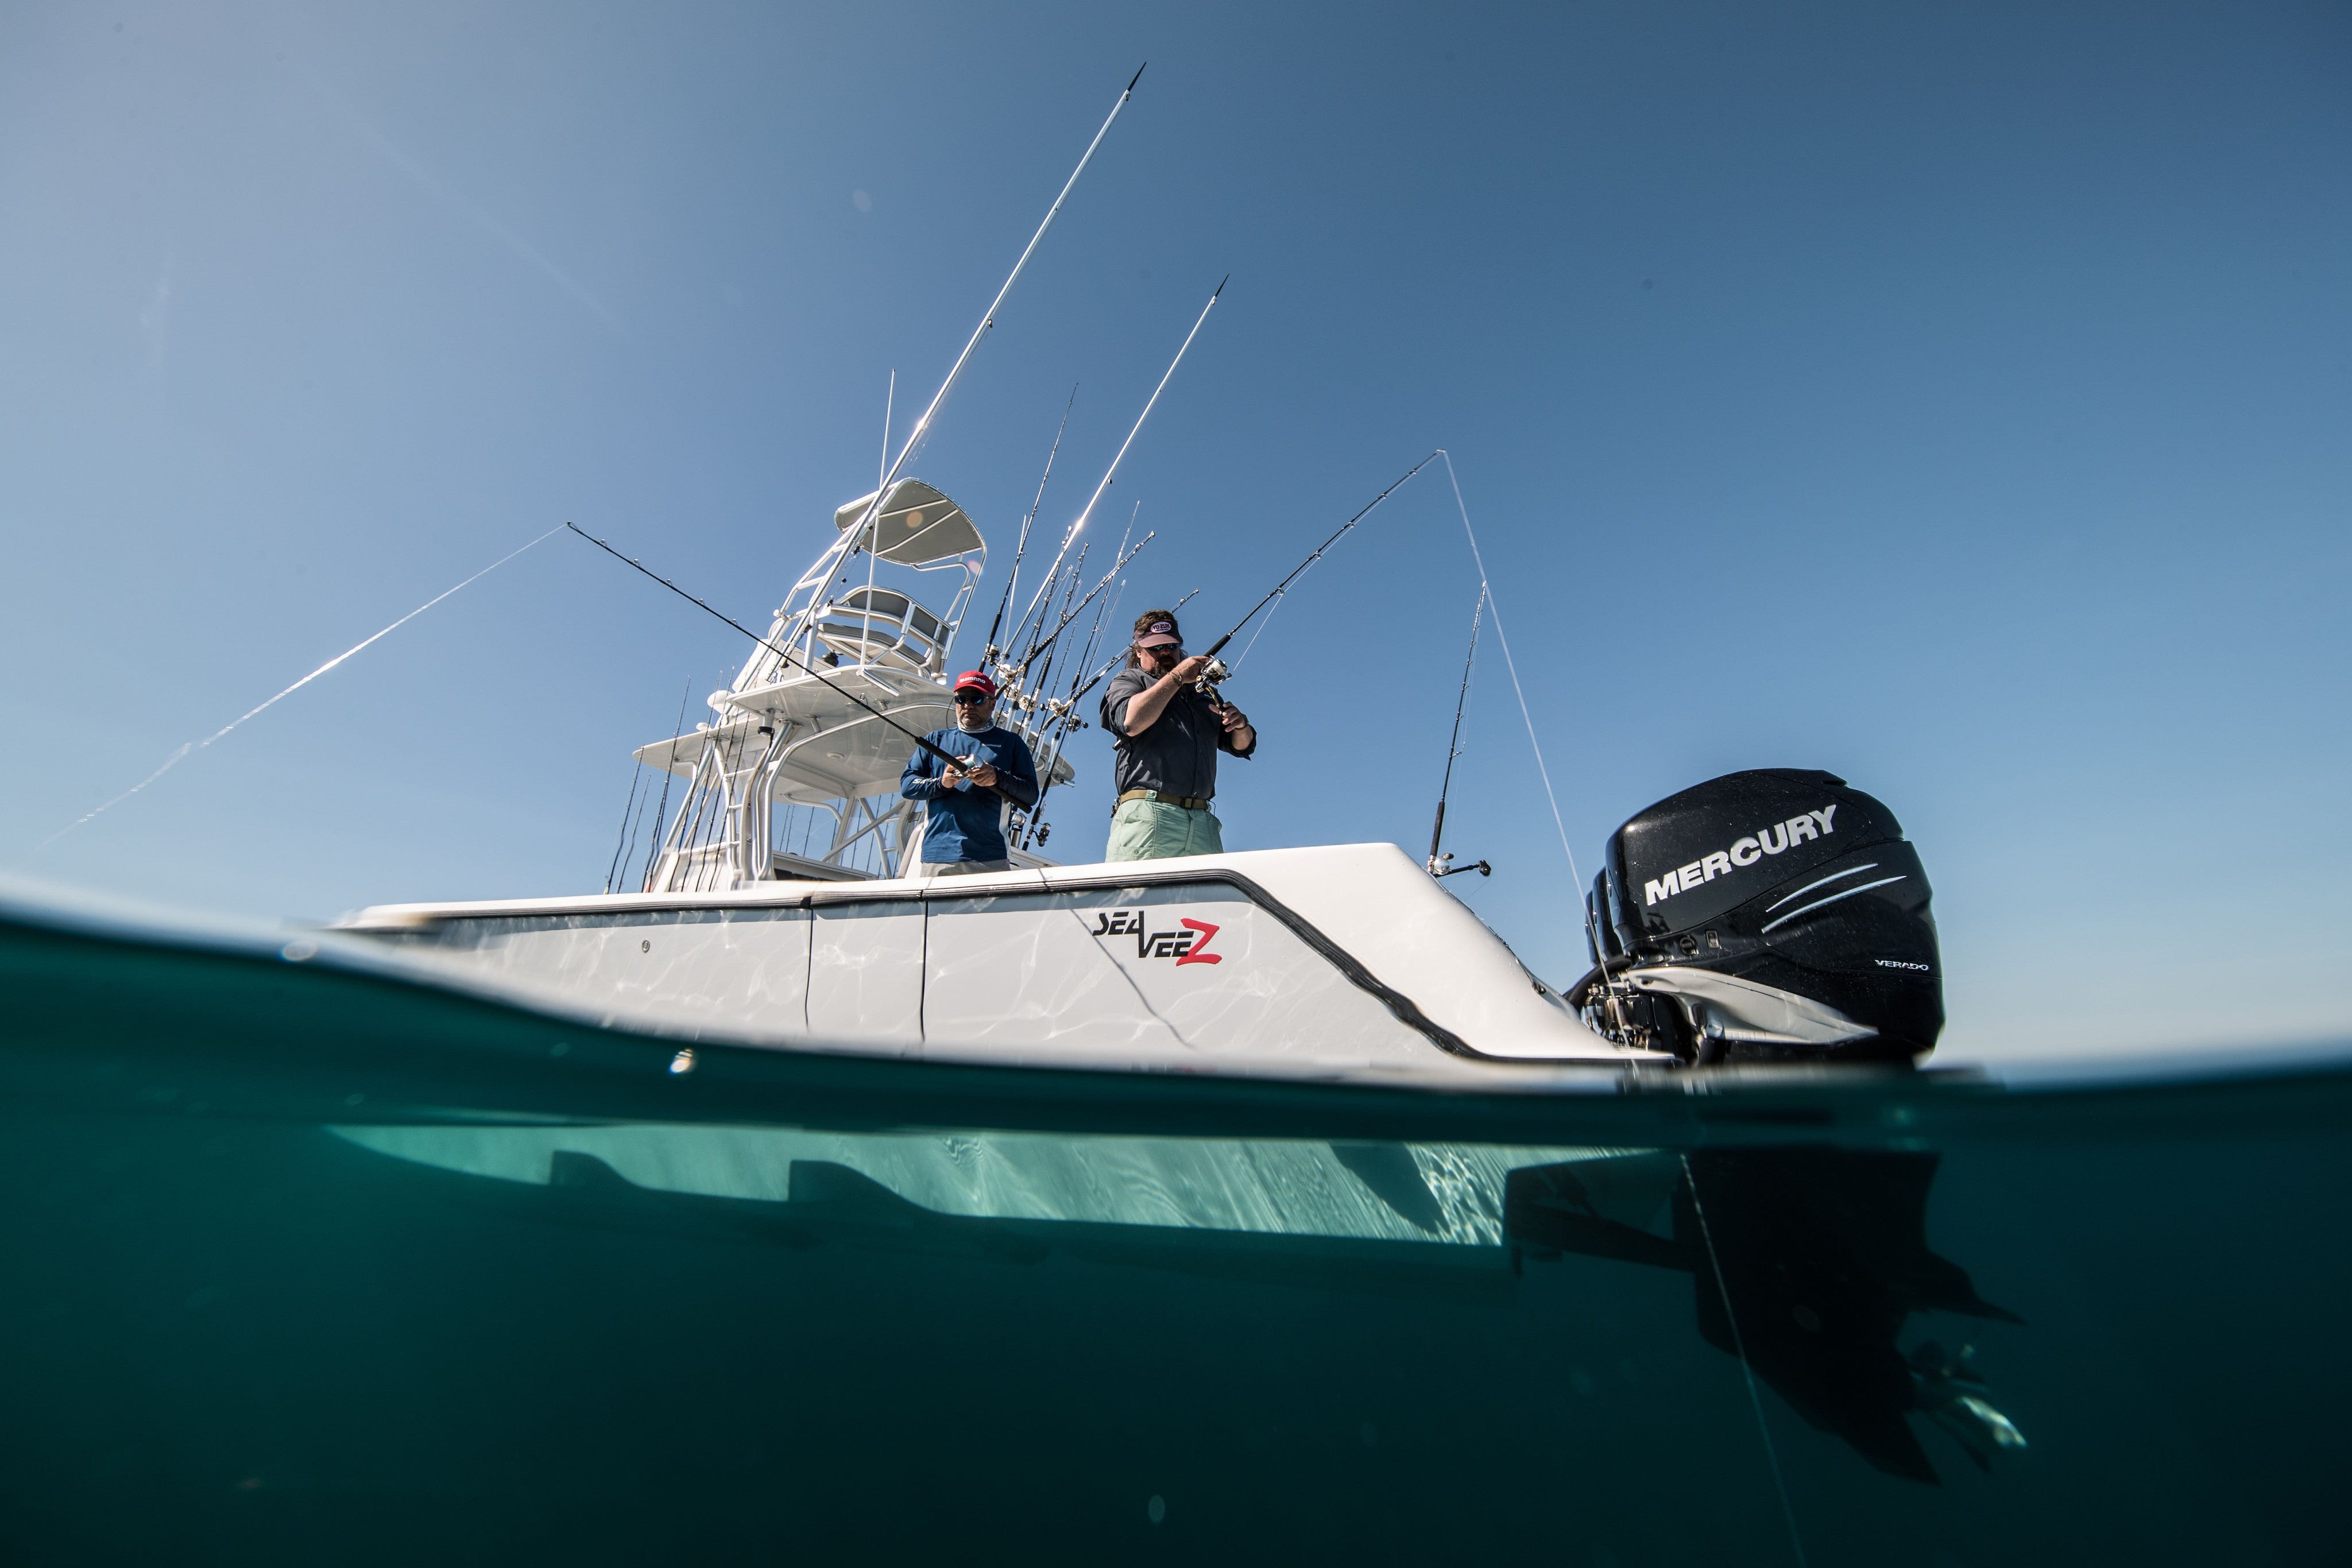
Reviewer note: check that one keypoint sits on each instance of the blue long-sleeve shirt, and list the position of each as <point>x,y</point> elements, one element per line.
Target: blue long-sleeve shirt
<point>965,823</point>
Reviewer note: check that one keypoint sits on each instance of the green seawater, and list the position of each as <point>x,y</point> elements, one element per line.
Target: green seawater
<point>308,1265</point>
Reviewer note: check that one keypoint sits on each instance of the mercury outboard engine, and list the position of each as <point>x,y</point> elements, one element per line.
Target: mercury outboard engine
<point>1771,915</point>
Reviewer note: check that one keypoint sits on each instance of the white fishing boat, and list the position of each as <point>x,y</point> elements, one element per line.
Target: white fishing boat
<point>775,908</point>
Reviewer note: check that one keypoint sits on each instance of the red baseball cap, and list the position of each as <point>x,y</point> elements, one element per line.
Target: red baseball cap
<point>975,681</point>
<point>1159,635</point>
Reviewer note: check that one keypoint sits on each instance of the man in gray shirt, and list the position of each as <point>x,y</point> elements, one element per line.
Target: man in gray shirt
<point>1166,733</point>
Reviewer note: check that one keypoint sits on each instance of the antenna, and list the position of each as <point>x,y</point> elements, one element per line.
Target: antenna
<point>889,399</point>
<point>1112,472</point>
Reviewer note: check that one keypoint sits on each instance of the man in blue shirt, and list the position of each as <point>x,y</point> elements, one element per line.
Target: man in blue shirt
<point>963,829</point>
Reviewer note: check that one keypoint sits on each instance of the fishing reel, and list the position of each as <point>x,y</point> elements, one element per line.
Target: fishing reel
<point>1443,866</point>
<point>1213,673</point>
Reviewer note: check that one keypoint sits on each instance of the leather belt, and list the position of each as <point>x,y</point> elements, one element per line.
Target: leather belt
<point>1187,802</point>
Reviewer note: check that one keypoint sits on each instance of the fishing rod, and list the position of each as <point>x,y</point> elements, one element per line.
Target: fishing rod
<point>1102,613</point>
<point>1216,670</point>
<point>1067,718</point>
<point>1079,691</point>
<point>1075,610</point>
<point>923,427</point>
<point>1095,680</point>
<point>785,654</point>
<point>1027,627</point>
<point>1112,471</point>
<point>1044,681</point>
<point>1063,718</point>
<point>1441,866</point>
<point>1021,547</point>
<point>1038,649</point>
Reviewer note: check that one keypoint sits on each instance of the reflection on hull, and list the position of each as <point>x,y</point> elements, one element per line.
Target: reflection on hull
<point>833,1206</point>
<point>1411,1195</point>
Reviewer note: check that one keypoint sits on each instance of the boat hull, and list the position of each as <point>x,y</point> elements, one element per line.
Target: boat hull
<point>1334,959</point>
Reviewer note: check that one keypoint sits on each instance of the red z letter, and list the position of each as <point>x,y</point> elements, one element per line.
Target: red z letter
<point>1197,955</point>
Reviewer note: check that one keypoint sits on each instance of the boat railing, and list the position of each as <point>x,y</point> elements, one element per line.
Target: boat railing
<point>881,626</point>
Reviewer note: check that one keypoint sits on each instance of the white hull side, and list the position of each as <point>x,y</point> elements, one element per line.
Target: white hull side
<point>1334,959</point>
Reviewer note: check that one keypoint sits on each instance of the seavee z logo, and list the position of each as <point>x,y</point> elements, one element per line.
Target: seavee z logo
<point>1744,852</point>
<point>1189,946</point>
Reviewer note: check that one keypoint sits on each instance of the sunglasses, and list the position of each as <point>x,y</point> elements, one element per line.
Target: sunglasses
<point>1167,650</point>
<point>964,697</point>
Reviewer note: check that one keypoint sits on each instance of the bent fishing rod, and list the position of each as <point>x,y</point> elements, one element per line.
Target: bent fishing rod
<point>1442,866</point>
<point>1216,670</point>
<point>785,654</point>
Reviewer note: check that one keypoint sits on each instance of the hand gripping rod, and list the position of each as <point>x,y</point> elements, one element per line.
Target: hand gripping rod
<point>923,425</point>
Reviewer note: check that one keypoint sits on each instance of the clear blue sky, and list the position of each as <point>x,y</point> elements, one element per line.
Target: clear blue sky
<point>1954,397</point>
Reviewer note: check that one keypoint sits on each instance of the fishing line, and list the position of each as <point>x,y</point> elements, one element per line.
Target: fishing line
<point>1261,629</point>
<point>791,658</point>
<point>1213,649</point>
<point>190,747</point>
<point>1755,1400</point>
<point>1511,664</point>
<point>1503,637</point>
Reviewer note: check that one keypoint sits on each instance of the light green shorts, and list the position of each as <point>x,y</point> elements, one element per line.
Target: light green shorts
<point>1152,831</point>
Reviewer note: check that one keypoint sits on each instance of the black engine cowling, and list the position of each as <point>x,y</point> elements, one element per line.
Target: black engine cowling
<point>1774,914</point>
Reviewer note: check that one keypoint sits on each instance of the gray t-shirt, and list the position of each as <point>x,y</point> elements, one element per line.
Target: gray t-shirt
<point>1177,754</point>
